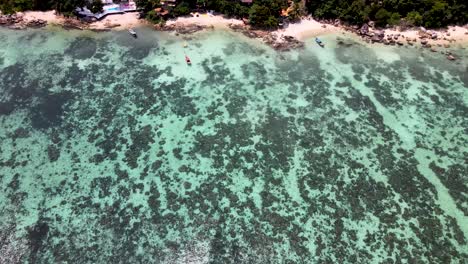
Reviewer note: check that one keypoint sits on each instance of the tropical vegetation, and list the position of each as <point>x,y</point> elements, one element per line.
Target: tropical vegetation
<point>428,13</point>
<point>268,13</point>
<point>65,7</point>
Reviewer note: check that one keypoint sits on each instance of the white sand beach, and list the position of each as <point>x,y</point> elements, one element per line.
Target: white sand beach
<point>205,19</point>
<point>301,30</point>
<point>120,21</point>
<point>307,28</point>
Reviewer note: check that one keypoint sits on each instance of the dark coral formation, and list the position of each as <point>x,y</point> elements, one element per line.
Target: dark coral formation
<point>53,153</point>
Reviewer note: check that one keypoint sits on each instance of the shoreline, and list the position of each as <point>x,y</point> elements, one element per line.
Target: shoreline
<point>116,21</point>
<point>287,38</point>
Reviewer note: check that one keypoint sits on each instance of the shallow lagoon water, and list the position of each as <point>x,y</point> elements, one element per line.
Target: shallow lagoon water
<point>112,149</point>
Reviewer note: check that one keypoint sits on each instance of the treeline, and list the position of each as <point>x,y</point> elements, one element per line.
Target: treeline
<point>428,13</point>
<point>261,13</point>
<point>268,13</point>
<point>65,7</point>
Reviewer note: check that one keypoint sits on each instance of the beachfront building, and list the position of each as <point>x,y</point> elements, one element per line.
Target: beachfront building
<point>110,7</point>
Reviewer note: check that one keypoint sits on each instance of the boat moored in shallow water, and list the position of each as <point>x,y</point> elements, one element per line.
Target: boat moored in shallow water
<point>132,32</point>
<point>319,42</point>
<point>187,59</point>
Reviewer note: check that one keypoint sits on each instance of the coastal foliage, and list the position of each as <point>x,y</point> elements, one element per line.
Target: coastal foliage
<point>148,9</point>
<point>95,6</point>
<point>261,16</point>
<point>147,5</point>
<point>65,7</point>
<point>229,8</point>
<point>153,17</point>
<point>296,10</point>
<point>181,9</point>
<point>262,13</point>
<point>428,13</point>
<point>11,6</point>
<point>267,13</point>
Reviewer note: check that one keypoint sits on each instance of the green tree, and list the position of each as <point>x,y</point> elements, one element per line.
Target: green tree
<point>297,11</point>
<point>227,8</point>
<point>356,13</point>
<point>67,7</point>
<point>381,17</point>
<point>147,5</point>
<point>23,5</point>
<point>260,16</point>
<point>438,15</point>
<point>240,11</point>
<point>459,12</point>
<point>414,18</point>
<point>394,19</point>
<point>43,4</point>
<point>12,6</point>
<point>181,9</point>
<point>154,17</point>
<point>95,6</point>
<point>432,13</point>
<point>274,6</point>
<point>271,22</point>
<point>7,7</point>
<point>201,3</point>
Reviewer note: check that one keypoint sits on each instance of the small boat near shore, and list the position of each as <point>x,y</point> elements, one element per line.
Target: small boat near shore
<point>319,42</point>
<point>132,32</point>
<point>187,60</point>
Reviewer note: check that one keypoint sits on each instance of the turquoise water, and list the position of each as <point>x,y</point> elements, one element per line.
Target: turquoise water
<point>112,149</point>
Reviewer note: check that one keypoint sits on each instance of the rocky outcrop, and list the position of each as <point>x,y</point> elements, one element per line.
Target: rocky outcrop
<point>364,29</point>
<point>191,29</point>
<point>375,38</point>
<point>450,57</point>
<point>284,43</point>
<point>371,35</point>
<point>181,28</point>
<point>8,20</point>
<point>251,34</point>
<point>36,23</point>
<point>16,21</point>
<point>237,27</point>
<point>71,24</point>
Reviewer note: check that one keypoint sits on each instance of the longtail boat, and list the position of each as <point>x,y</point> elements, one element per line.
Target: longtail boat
<point>187,59</point>
<point>319,42</point>
<point>132,32</point>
